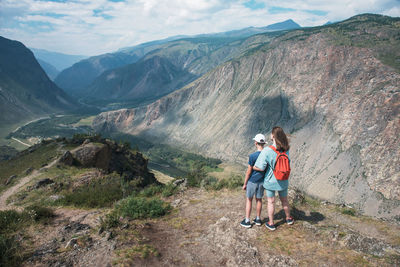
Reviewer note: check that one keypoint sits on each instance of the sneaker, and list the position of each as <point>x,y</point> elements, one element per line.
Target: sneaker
<point>290,221</point>
<point>270,226</point>
<point>257,221</point>
<point>245,224</point>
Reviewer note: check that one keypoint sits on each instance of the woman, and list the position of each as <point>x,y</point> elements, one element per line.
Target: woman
<point>266,161</point>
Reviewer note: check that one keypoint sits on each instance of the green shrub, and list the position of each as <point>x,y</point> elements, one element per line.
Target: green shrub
<point>150,191</point>
<point>11,220</point>
<point>348,211</point>
<point>111,220</point>
<point>101,193</point>
<point>196,175</point>
<point>140,208</point>
<point>39,213</point>
<point>169,190</point>
<point>9,251</point>
<point>212,183</point>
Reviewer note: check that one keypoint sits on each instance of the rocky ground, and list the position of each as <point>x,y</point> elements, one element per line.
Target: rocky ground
<point>203,230</point>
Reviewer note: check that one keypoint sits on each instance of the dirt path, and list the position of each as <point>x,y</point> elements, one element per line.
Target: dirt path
<point>23,181</point>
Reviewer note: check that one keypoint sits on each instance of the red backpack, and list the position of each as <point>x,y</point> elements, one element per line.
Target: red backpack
<point>282,166</point>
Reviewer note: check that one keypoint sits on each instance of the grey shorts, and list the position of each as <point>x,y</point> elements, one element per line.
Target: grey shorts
<point>254,189</point>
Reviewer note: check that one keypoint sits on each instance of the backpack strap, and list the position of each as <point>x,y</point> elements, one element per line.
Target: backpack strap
<point>274,149</point>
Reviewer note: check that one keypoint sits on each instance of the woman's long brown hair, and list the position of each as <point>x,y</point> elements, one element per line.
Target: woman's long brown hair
<point>281,140</point>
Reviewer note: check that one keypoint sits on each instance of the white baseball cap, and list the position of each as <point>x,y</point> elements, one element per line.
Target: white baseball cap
<point>259,138</point>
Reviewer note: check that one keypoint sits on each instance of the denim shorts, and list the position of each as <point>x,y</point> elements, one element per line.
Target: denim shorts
<point>271,193</point>
<point>254,189</point>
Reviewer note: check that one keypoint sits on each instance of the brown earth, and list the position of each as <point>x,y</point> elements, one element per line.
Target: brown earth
<point>204,230</point>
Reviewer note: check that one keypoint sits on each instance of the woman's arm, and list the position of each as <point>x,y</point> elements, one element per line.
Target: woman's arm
<point>257,169</point>
<point>261,162</point>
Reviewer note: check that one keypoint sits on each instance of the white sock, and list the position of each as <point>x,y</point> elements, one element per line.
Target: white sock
<point>247,220</point>
<point>258,218</point>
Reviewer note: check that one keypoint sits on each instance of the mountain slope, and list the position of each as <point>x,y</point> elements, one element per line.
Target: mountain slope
<point>150,78</point>
<point>59,60</point>
<point>77,78</point>
<point>25,89</point>
<point>50,70</point>
<point>333,88</point>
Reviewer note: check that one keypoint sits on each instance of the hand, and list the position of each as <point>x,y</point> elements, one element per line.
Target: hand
<point>244,187</point>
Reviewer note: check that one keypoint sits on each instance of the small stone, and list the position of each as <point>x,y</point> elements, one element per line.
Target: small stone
<point>113,246</point>
<point>108,236</point>
<point>101,230</point>
<point>62,239</point>
<point>176,203</point>
<point>55,197</point>
<point>9,180</point>
<point>179,181</point>
<point>125,226</point>
<point>71,242</point>
<point>87,141</point>
<point>29,170</point>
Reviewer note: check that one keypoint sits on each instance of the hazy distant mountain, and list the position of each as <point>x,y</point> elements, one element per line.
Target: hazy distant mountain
<point>59,60</point>
<point>145,79</point>
<point>75,79</point>
<point>335,89</point>
<point>50,70</point>
<point>280,26</point>
<point>25,89</point>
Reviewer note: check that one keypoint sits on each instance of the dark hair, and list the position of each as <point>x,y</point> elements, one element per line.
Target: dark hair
<point>282,143</point>
<point>260,144</point>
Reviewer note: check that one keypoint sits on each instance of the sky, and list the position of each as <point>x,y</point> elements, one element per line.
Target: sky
<point>84,27</point>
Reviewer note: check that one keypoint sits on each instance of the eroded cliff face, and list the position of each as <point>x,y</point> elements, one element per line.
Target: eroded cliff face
<point>340,105</point>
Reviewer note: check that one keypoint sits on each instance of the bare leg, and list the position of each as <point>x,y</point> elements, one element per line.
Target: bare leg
<point>271,209</point>
<point>259,206</point>
<point>285,205</point>
<point>248,207</point>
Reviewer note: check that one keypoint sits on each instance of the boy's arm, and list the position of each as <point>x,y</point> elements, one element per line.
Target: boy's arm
<point>246,178</point>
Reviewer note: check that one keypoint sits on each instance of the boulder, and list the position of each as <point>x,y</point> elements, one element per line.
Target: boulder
<point>43,182</point>
<point>29,170</point>
<point>93,155</point>
<point>66,158</point>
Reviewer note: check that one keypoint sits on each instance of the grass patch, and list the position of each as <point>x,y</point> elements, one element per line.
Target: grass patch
<point>34,157</point>
<point>348,211</point>
<point>12,252</point>
<point>141,208</point>
<point>315,203</point>
<point>135,207</point>
<point>52,127</point>
<point>212,183</point>
<point>97,194</point>
<point>128,255</point>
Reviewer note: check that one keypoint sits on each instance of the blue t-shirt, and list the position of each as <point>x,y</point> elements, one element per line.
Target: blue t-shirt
<point>264,162</point>
<point>255,176</point>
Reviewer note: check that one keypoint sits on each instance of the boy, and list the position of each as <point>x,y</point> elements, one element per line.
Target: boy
<point>253,183</point>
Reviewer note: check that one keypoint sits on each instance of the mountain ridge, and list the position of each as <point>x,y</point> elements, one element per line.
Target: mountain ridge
<point>303,81</point>
<point>25,89</point>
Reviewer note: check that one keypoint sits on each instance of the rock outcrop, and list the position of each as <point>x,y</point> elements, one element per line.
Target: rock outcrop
<point>110,157</point>
<point>329,87</point>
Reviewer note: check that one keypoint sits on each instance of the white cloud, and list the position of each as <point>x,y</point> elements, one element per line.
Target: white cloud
<point>99,26</point>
